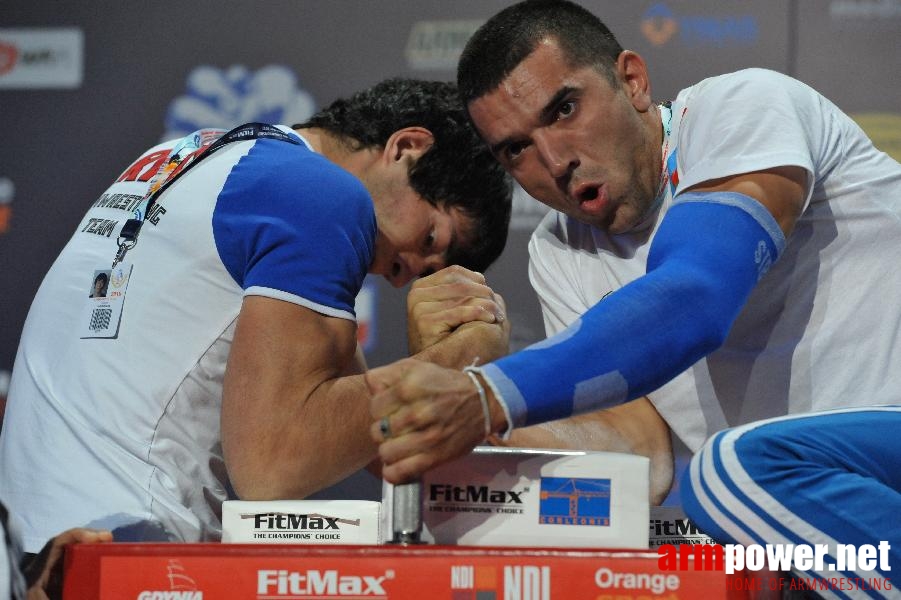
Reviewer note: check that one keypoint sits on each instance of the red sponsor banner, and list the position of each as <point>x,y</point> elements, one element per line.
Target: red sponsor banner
<point>272,572</point>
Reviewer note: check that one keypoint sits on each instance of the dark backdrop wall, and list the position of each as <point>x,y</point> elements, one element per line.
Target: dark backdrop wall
<point>86,86</point>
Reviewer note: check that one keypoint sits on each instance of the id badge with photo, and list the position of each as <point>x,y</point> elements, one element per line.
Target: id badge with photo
<point>102,312</point>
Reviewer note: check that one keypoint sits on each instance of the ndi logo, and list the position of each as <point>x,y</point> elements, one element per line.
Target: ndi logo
<point>226,98</point>
<point>527,582</point>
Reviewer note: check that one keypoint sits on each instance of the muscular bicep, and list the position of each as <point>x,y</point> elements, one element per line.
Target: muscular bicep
<point>280,355</point>
<point>781,190</point>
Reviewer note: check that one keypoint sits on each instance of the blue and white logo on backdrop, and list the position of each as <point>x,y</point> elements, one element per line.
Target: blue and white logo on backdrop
<point>226,98</point>
<point>661,25</point>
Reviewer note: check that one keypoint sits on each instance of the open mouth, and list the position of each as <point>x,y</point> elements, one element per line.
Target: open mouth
<point>592,199</point>
<point>588,194</point>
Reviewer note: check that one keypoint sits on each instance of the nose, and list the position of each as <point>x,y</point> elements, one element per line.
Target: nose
<point>400,274</point>
<point>555,154</point>
<point>407,266</point>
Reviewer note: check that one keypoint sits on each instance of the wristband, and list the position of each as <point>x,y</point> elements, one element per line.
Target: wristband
<point>483,398</point>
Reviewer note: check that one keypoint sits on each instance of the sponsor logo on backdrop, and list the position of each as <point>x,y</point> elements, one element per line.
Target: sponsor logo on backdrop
<point>574,501</point>
<point>883,128</point>
<point>865,9</point>
<point>278,525</point>
<point>226,98</point>
<point>660,25</point>
<point>436,45</point>
<point>41,58</point>
<point>7,193</point>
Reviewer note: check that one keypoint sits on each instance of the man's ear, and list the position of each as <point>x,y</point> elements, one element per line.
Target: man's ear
<point>408,143</point>
<point>633,73</point>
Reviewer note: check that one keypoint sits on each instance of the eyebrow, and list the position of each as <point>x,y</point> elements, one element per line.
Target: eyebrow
<point>543,115</point>
<point>554,102</point>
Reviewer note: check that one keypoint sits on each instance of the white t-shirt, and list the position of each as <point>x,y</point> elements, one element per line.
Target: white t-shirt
<point>822,329</point>
<point>123,433</point>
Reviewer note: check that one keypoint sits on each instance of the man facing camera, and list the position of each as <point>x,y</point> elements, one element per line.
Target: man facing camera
<point>722,260</point>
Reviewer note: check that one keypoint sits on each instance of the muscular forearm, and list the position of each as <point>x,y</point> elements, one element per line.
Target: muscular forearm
<point>293,432</point>
<point>633,428</point>
<point>306,444</point>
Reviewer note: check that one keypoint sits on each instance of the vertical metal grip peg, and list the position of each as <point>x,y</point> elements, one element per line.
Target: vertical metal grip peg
<point>407,513</point>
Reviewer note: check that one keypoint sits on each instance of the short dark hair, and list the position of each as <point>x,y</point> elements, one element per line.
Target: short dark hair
<point>101,276</point>
<point>511,35</point>
<point>457,171</point>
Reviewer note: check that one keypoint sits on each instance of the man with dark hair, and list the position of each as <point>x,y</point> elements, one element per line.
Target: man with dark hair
<point>234,362</point>
<point>724,259</point>
<point>367,120</point>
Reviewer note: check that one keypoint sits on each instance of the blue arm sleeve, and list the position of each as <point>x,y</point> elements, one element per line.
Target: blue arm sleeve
<point>707,256</point>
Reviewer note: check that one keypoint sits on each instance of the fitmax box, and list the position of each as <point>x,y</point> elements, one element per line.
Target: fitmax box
<point>301,522</point>
<point>670,525</point>
<point>539,498</point>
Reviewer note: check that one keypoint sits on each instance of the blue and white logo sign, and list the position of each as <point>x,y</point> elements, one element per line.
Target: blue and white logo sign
<point>574,501</point>
<point>226,98</point>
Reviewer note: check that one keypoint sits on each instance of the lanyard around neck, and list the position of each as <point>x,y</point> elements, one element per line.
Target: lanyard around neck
<point>189,151</point>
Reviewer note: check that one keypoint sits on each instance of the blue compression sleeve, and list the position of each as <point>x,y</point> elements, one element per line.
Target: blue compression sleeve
<point>707,256</point>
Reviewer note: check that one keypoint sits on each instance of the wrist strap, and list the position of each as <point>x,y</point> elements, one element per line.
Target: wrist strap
<point>483,398</point>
